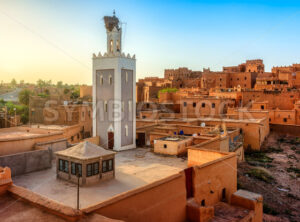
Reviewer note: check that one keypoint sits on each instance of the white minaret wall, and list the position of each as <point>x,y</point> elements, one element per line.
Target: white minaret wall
<point>114,64</point>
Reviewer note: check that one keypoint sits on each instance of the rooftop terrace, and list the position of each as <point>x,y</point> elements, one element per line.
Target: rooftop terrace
<point>134,168</point>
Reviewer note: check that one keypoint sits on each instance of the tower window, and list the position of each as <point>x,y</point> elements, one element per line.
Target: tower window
<point>101,80</point>
<point>129,106</point>
<point>126,130</point>
<point>110,80</point>
<point>118,46</point>
<point>105,106</point>
<point>126,77</point>
<point>111,45</point>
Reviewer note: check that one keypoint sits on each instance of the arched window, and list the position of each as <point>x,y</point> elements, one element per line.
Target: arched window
<point>126,77</point>
<point>126,130</point>
<point>101,80</point>
<point>110,80</point>
<point>111,46</point>
<point>118,46</point>
<point>105,106</point>
<point>129,106</point>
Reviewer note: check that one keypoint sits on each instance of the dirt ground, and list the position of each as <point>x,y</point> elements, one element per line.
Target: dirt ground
<point>274,173</point>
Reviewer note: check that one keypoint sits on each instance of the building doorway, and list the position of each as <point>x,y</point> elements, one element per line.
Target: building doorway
<point>189,182</point>
<point>141,139</point>
<point>110,136</point>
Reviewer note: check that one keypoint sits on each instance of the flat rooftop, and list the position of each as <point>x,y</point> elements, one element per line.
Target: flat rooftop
<point>16,210</point>
<point>134,168</point>
<point>23,132</point>
<point>17,134</point>
<point>173,138</point>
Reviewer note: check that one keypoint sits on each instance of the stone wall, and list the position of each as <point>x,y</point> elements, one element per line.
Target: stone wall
<point>27,162</point>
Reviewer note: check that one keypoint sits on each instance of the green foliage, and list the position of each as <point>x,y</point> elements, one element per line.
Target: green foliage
<point>260,174</point>
<point>43,95</point>
<point>43,83</point>
<point>59,84</point>
<point>25,115</point>
<point>166,90</point>
<point>274,149</point>
<point>24,96</point>
<point>66,91</point>
<point>294,170</point>
<point>75,94</point>
<point>258,159</point>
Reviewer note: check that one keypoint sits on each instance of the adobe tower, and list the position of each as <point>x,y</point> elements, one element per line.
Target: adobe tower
<point>114,99</point>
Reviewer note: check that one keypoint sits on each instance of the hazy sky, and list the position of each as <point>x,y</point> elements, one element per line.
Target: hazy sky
<point>55,39</point>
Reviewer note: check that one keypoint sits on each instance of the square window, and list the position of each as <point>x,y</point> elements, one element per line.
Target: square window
<point>107,165</point>
<point>76,168</point>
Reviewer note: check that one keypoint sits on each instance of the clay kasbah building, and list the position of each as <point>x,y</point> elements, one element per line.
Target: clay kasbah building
<point>194,145</point>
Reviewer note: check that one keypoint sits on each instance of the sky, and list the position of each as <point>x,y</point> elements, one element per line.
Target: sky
<point>55,39</point>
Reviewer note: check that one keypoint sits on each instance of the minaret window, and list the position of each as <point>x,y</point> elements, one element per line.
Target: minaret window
<point>110,80</point>
<point>129,106</point>
<point>105,106</point>
<point>111,46</point>
<point>118,46</point>
<point>126,130</point>
<point>101,80</point>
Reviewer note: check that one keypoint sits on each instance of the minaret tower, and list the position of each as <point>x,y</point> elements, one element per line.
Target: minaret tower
<point>114,100</point>
<point>114,34</point>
